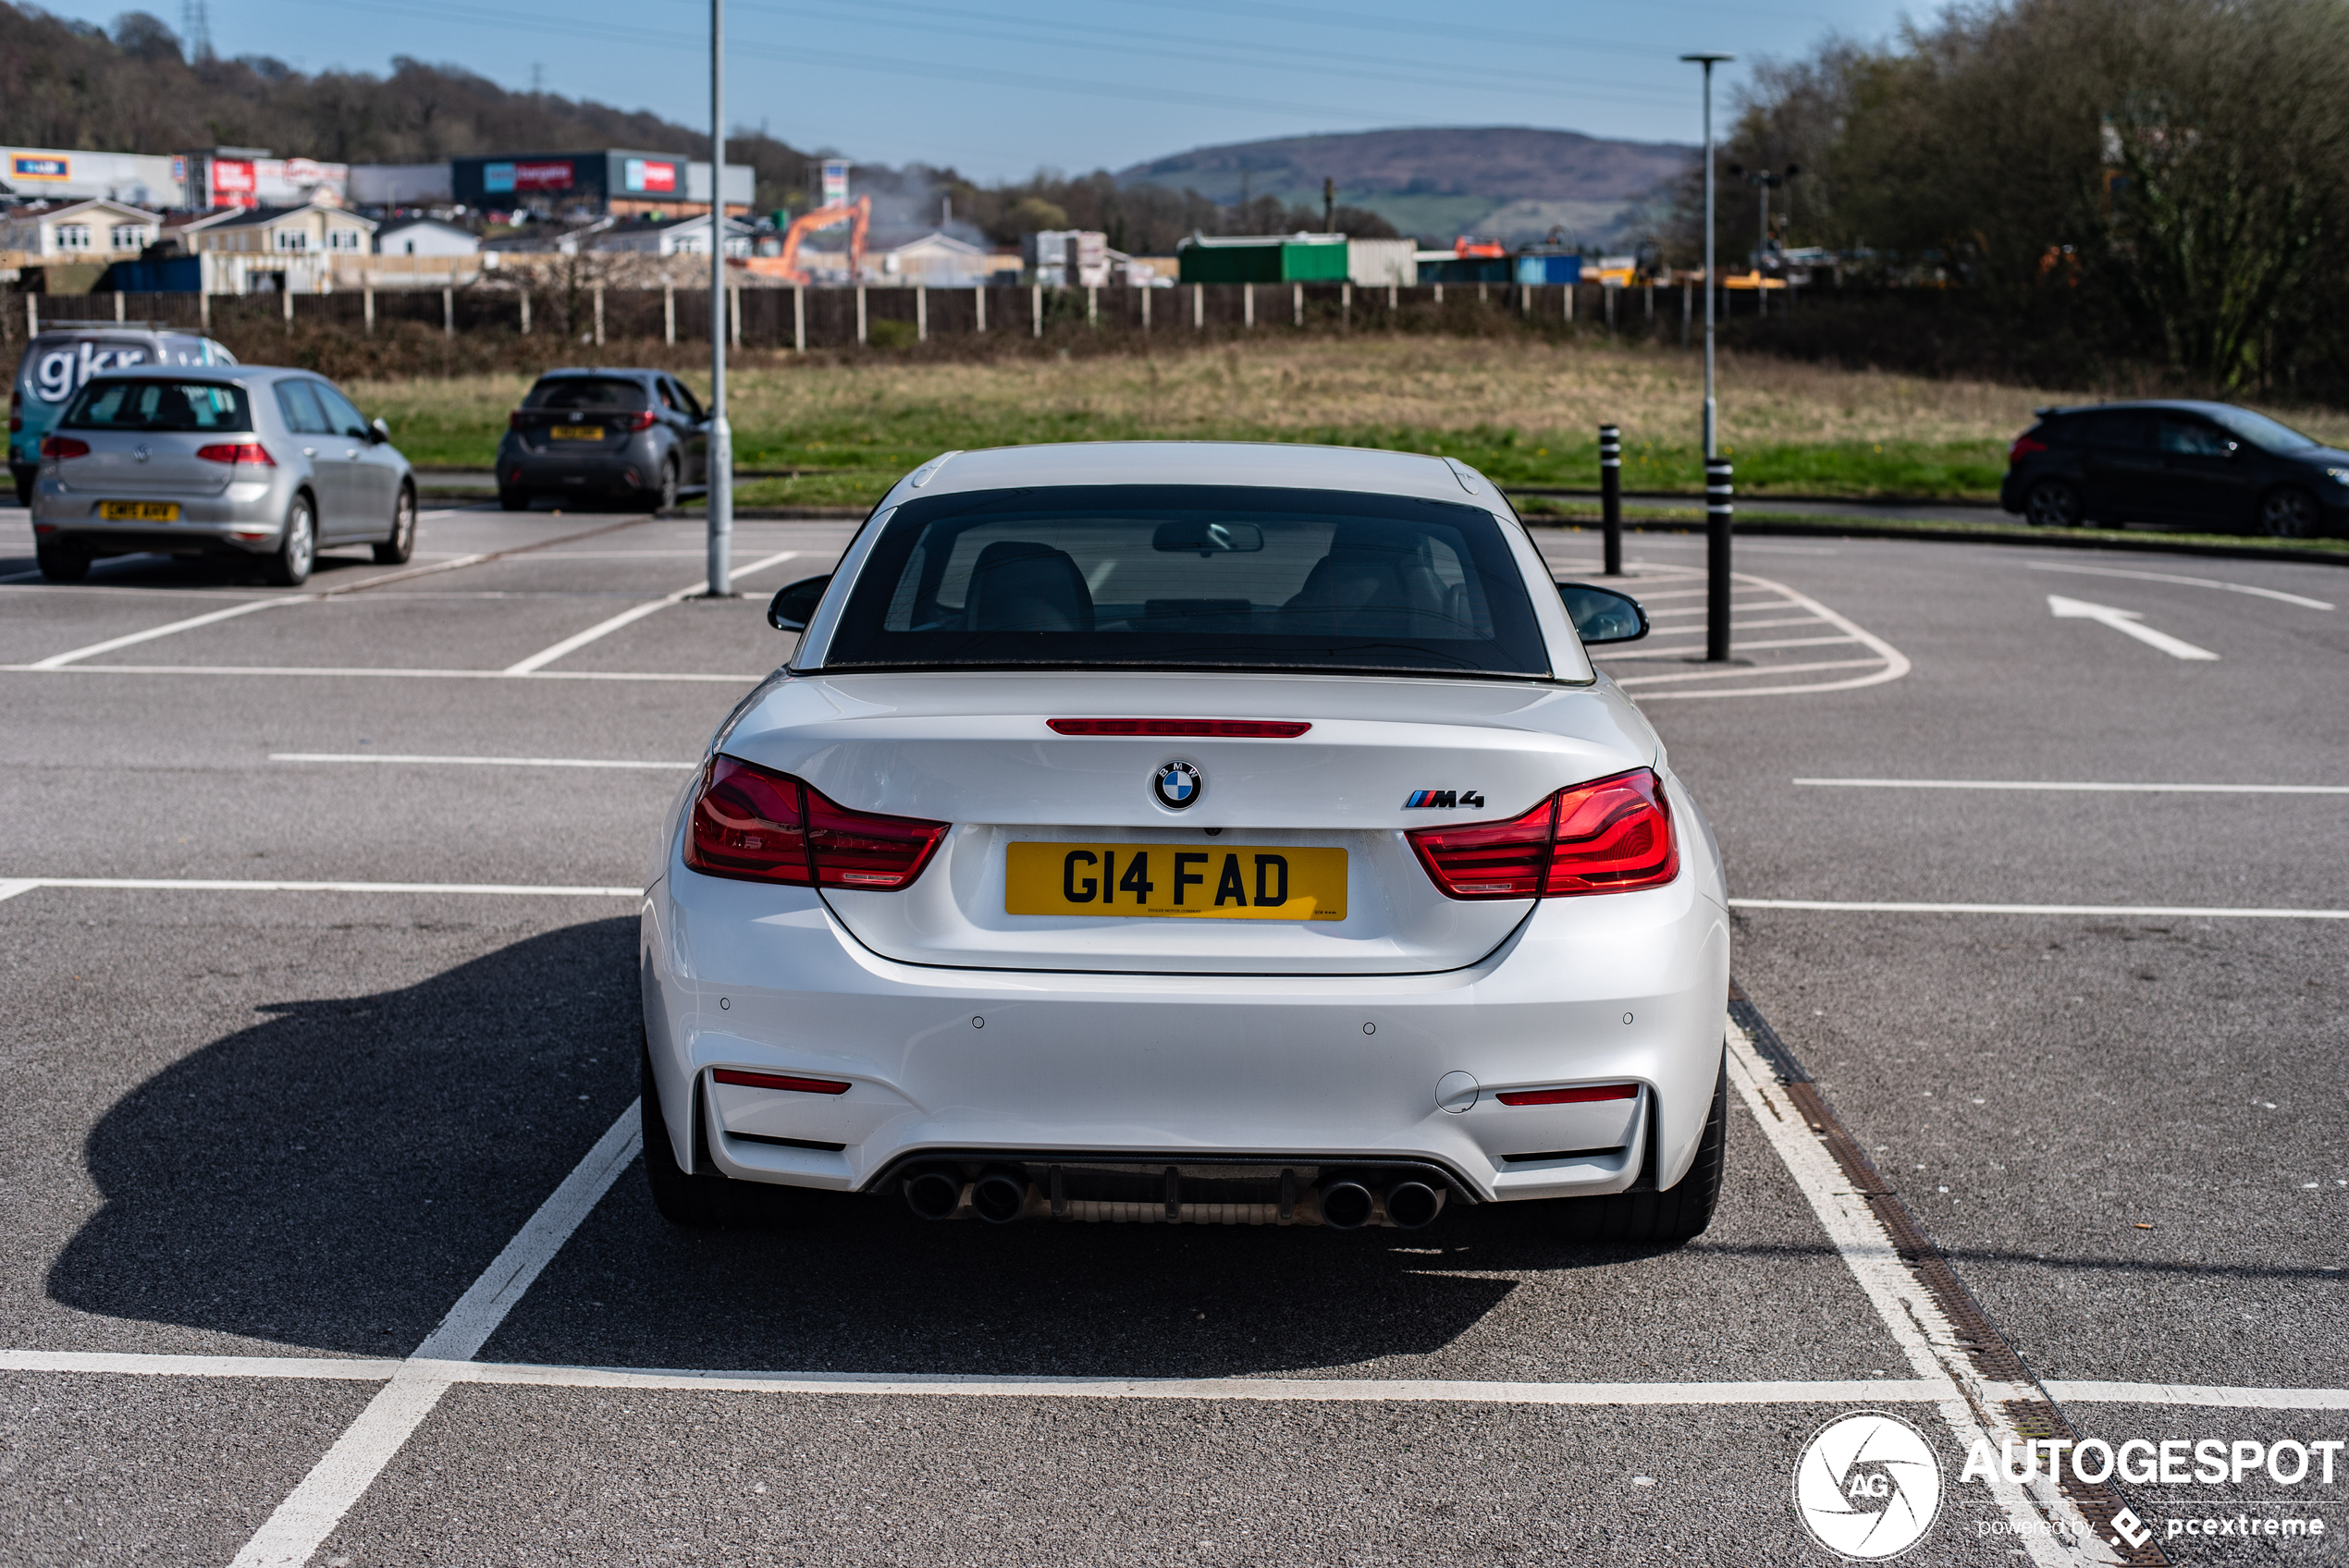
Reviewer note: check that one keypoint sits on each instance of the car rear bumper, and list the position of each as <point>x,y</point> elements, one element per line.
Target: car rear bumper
<point>627,470</point>
<point>964,1065</point>
<point>248,516</point>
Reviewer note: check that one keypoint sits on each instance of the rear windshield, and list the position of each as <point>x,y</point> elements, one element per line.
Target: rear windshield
<point>1190,577</point>
<point>587,392</point>
<point>159,405</point>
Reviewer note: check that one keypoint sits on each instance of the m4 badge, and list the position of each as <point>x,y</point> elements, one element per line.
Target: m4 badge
<point>1444,800</point>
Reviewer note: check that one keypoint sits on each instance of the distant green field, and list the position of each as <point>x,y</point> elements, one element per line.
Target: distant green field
<point>838,433</point>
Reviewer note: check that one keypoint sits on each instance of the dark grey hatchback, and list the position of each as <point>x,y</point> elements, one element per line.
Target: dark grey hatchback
<point>2211,464</point>
<point>635,436</point>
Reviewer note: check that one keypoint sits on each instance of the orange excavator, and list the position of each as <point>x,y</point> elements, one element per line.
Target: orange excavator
<point>856,215</point>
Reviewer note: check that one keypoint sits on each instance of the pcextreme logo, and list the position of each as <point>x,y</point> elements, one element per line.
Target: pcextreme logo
<point>1867,1485</point>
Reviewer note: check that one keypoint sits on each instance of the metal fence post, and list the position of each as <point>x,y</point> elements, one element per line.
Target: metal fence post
<point>448,313</point>
<point>1248,306</point>
<point>1296,304</point>
<point>1571,290</point>
<point>860,312</point>
<point>1684,312</point>
<point>669,315</point>
<point>1036,308</point>
<point>978,297</point>
<point>1146,309</point>
<point>1198,307</point>
<point>921,312</point>
<point>599,315</point>
<point>1717,510</point>
<point>1092,306</point>
<point>525,312</point>
<point>799,318</point>
<point>1611,495</point>
<point>734,316</point>
<point>367,297</point>
<point>285,293</point>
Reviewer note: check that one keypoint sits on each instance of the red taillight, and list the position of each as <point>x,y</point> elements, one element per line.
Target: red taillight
<point>763,826</point>
<point>1609,836</point>
<point>515,420</point>
<point>63,447</point>
<point>642,419</point>
<point>778,1081</point>
<point>2023,446</point>
<point>1245,729</point>
<point>1584,1096</point>
<point>236,452</point>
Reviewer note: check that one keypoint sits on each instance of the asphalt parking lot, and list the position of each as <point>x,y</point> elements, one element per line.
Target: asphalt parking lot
<point>323,1238</point>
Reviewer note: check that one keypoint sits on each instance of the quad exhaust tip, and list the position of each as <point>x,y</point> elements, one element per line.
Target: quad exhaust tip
<point>934,1194</point>
<point>1002,1197</point>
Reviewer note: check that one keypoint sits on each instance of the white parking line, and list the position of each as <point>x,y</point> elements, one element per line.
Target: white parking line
<point>635,613</point>
<point>59,661</point>
<point>367,674</point>
<point>1746,673</point>
<point>2199,1394</point>
<point>11,886</point>
<point>477,762</point>
<point>2083,788</point>
<point>2190,581</point>
<point>1908,1311</point>
<point>317,1505</point>
<point>1742,647</point>
<point>1403,1391</point>
<point>2132,911</point>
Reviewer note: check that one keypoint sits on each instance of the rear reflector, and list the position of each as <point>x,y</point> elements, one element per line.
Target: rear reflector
<point>780,1081</point>
<point>1231,728</point>
<point>1586,1095</point>
<point>236,452</point>
<point>759,826</point>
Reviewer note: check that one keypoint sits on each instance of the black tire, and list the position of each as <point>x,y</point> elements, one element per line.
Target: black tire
<point>514,500</point>
<point>395,550</point>
<point>61,563</point>
<point>289,565</point>
<point>1667,1217</point>
<point>666,502</point>
<point>2290,512</point>
<point>2054,503</point>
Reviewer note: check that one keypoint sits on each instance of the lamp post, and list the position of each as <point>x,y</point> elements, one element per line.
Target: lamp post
<point>1764,181</point>
<point>1716,472</point>
<point>1711,281</point>
<point>720,463</point>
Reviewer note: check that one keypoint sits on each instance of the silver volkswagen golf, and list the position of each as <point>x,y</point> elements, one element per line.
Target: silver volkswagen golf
<point>245,461</point>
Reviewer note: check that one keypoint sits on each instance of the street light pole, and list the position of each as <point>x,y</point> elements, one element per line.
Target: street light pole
<point>720,467</point>
<point>1717,513</point>
<point>1711,278</point>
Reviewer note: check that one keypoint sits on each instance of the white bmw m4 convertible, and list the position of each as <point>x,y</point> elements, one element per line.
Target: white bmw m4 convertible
<point>1190,833</point>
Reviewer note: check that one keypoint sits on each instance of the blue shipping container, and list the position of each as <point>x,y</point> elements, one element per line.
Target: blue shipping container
<point>1533,269</point>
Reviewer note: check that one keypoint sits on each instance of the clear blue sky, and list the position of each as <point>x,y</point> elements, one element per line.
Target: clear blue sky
<point>998,88</point>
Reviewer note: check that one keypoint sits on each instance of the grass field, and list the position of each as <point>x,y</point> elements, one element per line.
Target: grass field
<point>1526,413</point>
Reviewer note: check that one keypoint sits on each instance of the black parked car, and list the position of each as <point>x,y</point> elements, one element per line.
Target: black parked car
<point>630,434</point>
<point>2207,463</point>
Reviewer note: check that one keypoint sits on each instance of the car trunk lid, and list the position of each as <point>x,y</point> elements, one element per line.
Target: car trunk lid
<point>1292,854</point>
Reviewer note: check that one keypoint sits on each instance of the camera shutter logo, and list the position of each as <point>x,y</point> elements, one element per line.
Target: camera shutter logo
<point>1867,1485</point>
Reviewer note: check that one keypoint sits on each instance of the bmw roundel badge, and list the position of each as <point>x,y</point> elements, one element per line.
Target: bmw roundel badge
<point>1177,785</point>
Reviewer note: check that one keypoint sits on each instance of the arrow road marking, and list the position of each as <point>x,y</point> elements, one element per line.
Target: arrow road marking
<point>2128,621</point>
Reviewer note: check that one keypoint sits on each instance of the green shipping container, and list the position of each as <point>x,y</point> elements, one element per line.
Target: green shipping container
<point>1275,261</point>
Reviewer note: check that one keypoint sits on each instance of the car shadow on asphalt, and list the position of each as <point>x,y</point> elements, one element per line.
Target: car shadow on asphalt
<point>333,1176</point>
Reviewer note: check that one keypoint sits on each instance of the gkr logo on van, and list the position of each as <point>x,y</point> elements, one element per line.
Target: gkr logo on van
<point>1444,800</point>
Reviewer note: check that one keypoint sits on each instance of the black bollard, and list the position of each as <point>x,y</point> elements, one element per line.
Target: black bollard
<point>1717,510</point>
<point>1611,495</point>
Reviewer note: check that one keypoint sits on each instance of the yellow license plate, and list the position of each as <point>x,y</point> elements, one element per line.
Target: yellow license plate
<point>1164,881</point>
<point>138,511</point>
<point>577,433</point>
